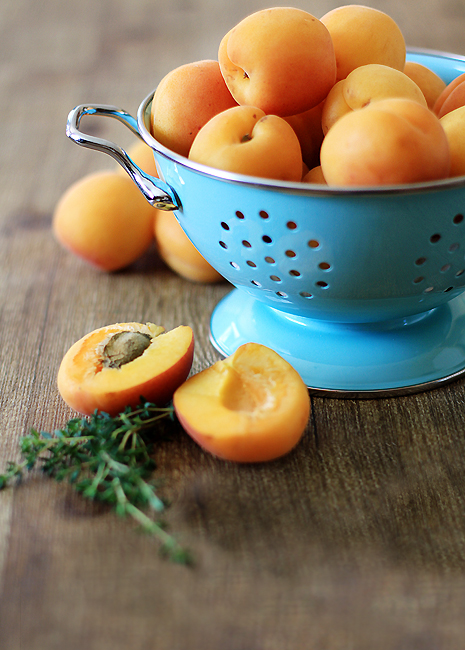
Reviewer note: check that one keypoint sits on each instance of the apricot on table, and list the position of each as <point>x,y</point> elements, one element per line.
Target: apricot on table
<point>426,79</point>
<point>246,141</point>
<point>279,59</point>
<point>184,100</point>
<point>362,35</point>
<point>252,406</point>
<point>391,141</point>
<point>453,124</point>
<point>179,253</point>
<point>114,366</point>
<point>104,219</point>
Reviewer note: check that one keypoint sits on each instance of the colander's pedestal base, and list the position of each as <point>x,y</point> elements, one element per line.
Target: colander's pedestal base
<point>351,360</point>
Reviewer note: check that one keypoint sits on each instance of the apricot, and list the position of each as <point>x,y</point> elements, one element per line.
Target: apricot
<point>104,219</point>
<point>450,87</point>
<point>364,85</point>
<point>428,81</point>
<point>246,141</point>
<point>391,141</point>
<point>114,366</point>
<point>279,59</point>
<point>363,35</point>
<point>250,407</point>
<point>179,253</point>
<point>308,129</point>
<point>455,99</point>
<point>453,124</point>
<point>184,100</point>
<point>314,175</point>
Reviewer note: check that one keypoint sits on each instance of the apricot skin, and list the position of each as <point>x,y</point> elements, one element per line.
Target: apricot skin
<point>86,385</point>
<point>364,35</point>
<point>437,108</point>
<point>392,141</point>
<point>179,253</point>
<point>251,407</point>
<point>279,59</point>
<point>428,81</point>
<point>454,126</point>
<point>104,219</point>
<point>184,100</point>
<point>246,141</point>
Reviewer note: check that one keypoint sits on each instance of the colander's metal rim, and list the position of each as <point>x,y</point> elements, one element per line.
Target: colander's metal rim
<point>143,120</point>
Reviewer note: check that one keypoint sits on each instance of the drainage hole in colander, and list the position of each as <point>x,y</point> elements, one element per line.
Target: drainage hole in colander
<point>314,243</point>
<point>223,245</point>
<point>275,278</point>
<point>291,225</point>
<point>267,239</point>
<point>459,273</point>
<point>454,247</point>
<point>246,243</point>
<point>264,215</point>
<point>458,219</point>
<point>445,268</point>
<point>281,294</point>
<point>252,264</point>
<point>255,283</point>
<point>448,289</point>
<point>420,261</point>
<point>239,214</point>
<point>235,265</point>
<point>324,266</point>
<point>290,253</point>
<point>270,260</point>
<point>435,238</point>
<point>306,294</point>
<point>419,279</point>
<point>321,284</point>
<point>428,290</point>
<point>294,273</point>
<point>224,225</point>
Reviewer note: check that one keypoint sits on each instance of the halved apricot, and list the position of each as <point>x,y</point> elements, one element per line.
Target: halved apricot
<point>114,366</point>
<point>252,406</point>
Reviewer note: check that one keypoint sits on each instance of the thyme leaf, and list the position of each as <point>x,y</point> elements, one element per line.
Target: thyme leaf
<point>107,459</point>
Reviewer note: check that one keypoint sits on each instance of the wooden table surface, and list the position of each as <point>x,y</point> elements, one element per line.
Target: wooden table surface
<point>354,541</point>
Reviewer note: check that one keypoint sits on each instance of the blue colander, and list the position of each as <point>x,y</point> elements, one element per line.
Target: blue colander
<point>361,290</point>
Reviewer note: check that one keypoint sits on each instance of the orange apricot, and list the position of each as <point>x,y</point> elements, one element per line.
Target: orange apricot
<point>184,100</point>
<point>314,175</point>
<point>246,141</point>
<point>104,219</point>
<point>391,141</point>
<point>452,85</point>
<point>279,59</point>
<point>455,99</point>
<point>307,127</point>
<point>252,406</point>
<point>115,366</point>
<point>179,253</point>
<point>364,35</point>
<point>428,81</point>
<point>453,124</point>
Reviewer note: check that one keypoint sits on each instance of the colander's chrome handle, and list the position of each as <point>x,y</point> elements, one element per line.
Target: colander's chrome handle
<point>157,193</point>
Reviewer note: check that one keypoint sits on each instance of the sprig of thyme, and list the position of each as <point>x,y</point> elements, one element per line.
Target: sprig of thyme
<point>107,459</point>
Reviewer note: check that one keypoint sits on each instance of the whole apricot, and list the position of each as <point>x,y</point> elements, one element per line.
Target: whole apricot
<point>450,87</point>
<point>455,99</point>
<point>453,124</point>
<point>364,35</point>
<point>179,253</point>
<point>279,59</point>
<point>246,141</point>
<point>250,407</point>
<point>184,100</point>
<point>308,129</point>
<point>104,219</point>
<point>428,81</point>
<point>314,175</point>
<point>391,141</point>
<point>114,366</point>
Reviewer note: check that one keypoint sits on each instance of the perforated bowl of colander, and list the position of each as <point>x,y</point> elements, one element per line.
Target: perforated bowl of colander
<point>361,290</point>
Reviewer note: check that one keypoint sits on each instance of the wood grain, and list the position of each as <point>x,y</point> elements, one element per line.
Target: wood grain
<point>354,540</point>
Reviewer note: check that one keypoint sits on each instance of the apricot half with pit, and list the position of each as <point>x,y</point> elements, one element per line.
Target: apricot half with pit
<point>252,406</point>
<point>115,366</point>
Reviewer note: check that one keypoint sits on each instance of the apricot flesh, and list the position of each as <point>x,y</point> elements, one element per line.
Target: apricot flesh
<point>114,366</point>
<point>250,407</point>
